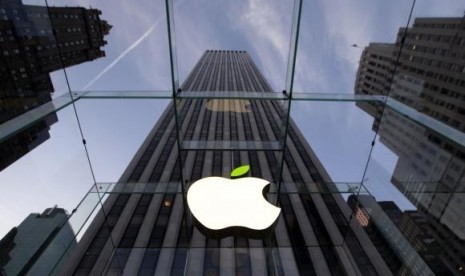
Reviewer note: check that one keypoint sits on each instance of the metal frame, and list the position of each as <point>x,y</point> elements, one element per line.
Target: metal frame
<point>16,125</point>
<point>27,119</point>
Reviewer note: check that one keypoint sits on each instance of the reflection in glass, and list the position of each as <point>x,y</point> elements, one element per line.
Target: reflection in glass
<point>310,233</point>
<point>429,74</point>
<point>236,106</point>
<point>35,246</point>
<point>35,41</point>
<point>423,69</point>
<point>144,226</point>
<point>398,236</point>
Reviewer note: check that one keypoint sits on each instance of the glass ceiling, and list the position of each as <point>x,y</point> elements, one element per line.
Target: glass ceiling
<point>385,145</point>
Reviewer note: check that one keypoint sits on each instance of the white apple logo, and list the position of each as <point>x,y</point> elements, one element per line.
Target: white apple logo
<point>227,206</point>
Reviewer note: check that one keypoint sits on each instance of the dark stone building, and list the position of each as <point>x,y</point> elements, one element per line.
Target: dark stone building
<point>145,227</point>
<point>35,41</point>
<point>409,223</point>
<point>36,246</point>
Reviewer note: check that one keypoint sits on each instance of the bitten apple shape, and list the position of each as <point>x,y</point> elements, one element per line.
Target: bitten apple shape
<point>220,203</point>
<point>228,105</point>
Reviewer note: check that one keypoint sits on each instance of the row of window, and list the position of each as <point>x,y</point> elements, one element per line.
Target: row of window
<point>437,25</point>
<point>453,39</point>
<point>236,74</point>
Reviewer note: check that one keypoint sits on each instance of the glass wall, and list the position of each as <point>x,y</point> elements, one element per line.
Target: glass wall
<point>375,88</point>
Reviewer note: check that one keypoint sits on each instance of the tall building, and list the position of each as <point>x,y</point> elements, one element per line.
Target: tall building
<point>35,41</point>
<point>430,173</point>
<point>409,223</point>
<point>35,246</point>
<point>146,228</point>
<point>428,77</point>
<point>362,215</point>
<point>430,71</point>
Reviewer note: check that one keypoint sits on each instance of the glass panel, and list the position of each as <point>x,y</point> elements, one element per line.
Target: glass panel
<point>328,56</point>
<point>394,235</point>
<point>212,260</point>
<point>31,68</point>
<point>230,95</point>
<point>429,77</point>
<point>263,33</point>
<point>25,38</point>
<point>172,46</point>
<point>185,261</point>
<point>307,207</point>
<point>127,95</point>
<point>293,44</point>
<point>230,124</point>
<point>115,130</point>
<point>424,119</point>
<point>174,187</point>
<point>231,145</point>
<point>33,117</point>
<point>53,172</point>
<point>339,135</point>
<point>391,185</point>
<point>316,219</point>
<point>426,161</point>
<point>337,97</point>
<point>43,162</point>
<point>427,169</point>
<point>420,149</point>
<point>60,147</point>
<point>61,248</point>
<point>137,188</point>
<point>126,42</point>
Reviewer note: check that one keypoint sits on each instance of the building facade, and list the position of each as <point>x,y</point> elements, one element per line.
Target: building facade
<point>35,246</point>
<point>35,41</point>
<point>410,224</point>
<point>145,228</point>
<point>429,71</point>
<point>428,76</point>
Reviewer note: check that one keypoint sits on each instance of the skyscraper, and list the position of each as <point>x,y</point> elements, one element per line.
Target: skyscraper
<point>35,41</point>
<point>146,228</point>
<point>428,76</point>
<point>410,225</point>
<point>35,246</point>
<point>429,73</point>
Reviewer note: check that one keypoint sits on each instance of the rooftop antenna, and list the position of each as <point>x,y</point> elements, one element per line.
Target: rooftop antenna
<point>50,211</point>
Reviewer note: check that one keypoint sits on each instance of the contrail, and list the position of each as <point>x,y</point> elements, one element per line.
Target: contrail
<point>123,54</point>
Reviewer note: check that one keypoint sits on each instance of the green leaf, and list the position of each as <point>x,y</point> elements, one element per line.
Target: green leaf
<point>240,171</point>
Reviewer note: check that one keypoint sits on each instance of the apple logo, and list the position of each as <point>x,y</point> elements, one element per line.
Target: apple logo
<point>223,207</point>
<point>228,105</point>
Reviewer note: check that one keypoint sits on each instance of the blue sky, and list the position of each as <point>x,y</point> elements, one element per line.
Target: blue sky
<point>137,59</point>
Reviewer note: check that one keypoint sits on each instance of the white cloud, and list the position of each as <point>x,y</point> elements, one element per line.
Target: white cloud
<point>267,25</point>
<point>267,21</point>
